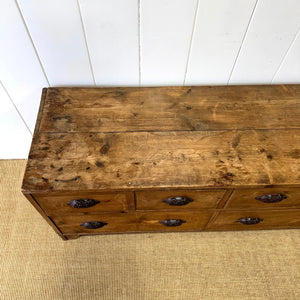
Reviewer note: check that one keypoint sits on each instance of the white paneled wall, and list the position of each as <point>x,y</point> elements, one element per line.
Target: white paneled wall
<point>111,28</point>
<point>166,32</point>
<point>14,134</point>
<point>56,30</point>
<point>134,43</point>
<point>273,28</point>
<point>20,70</point>
<point>218,34</point>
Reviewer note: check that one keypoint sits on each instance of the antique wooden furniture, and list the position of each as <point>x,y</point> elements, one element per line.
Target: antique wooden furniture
<point>107,160</point>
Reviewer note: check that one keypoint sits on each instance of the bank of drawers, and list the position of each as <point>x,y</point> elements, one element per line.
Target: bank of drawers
<point>173,210</point>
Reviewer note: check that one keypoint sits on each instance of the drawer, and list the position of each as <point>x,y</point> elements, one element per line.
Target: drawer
<point>82,202</point>
<point>264,198</point>
<point>178,200</point>
<point>172,221</point>
<point>95,223</point>
<point>131,222</point>
<point>251,219</point>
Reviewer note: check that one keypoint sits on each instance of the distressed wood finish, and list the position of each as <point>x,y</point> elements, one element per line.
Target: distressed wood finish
<point>107,202</point>
<point>177,159</point>
<point>246,198</point>
<point>155,200</point>
<point>132,222</point>
<point>271,219</point>
<point>171,108</point>
<point>210,151</point>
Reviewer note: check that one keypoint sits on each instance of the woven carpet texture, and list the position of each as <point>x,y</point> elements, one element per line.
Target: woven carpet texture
<point>37,264</point>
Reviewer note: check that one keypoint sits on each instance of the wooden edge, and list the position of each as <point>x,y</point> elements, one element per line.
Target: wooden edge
<point>44,215</point>
<point>134,189</point>
<point>36,130</point>
<point>225,199</point>
<point>212,219</point>
<point>40,112</point>
<point>75,236</point>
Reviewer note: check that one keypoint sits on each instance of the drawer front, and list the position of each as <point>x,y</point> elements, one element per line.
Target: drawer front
<point>263,219</point>
<point>96,223</point>
<point>178,200</point>
<point>264,198</point>
<point>131,222</point>
<point>171,221</point>
<point>82,202</point>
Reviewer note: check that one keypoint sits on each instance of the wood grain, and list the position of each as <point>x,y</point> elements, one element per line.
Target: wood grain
<point>58,204</point>
<point>202,199</point>
<point>245,198</point>
<point>271,219</point>
<point>132,222</point>
<point>171,108</point>
<point>36,205</point>
<point>147,160</point>
<point>131,148</point>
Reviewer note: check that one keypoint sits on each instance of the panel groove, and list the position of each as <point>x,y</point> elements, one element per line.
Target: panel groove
<point>286,54</point>
<point>8,95</point>
<point>242,43</point>
<point>86,42</point>
<point>191,42</point>
<point>32,43</point>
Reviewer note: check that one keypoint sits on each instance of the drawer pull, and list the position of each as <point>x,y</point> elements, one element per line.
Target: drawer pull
<point>250,221</point>
<point>83,203</point>
<point>271,198</point>
<point>172,222</point>
<point>178,201</point>
<point>93,225</point>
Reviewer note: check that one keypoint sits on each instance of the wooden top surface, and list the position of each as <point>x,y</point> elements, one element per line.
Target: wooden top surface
<point>169,137</point>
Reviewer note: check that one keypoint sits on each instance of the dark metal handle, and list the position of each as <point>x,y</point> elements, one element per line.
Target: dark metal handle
<point>93,225</point>
<point>250,221</point>
<point>83,203</point>
<point>172,222</point>
<point>178,201</point>
<point>271,198</point>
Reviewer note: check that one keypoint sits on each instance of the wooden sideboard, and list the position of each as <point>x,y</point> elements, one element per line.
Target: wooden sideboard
<point>117,160</point>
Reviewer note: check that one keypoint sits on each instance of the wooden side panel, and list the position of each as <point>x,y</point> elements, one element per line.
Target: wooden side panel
<point>269,219</point>
<point>219,30</point>
<point>180,159</point>
<point>171,108</point>
<point>166,33</point>
<point>112,35</point>
<point>56,30</point>
<point>39,209</point>
<point>273,27</point>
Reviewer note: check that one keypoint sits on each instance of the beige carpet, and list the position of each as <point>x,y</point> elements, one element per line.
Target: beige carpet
<point>37,264</point>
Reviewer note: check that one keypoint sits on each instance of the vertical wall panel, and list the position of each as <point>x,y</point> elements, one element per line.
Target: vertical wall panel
<point>272,30</point>
<point>20,70</point>
<point>166,30</point>
<point>112,34</point>
<point>289,71</point>
<point>56,30</point>
<point>14,136</point>
<point>219,31</point>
